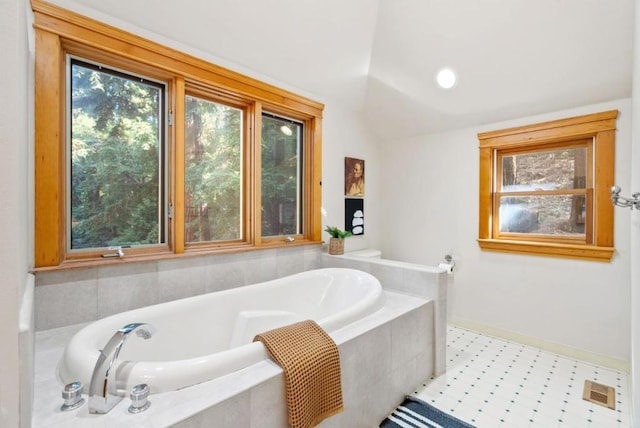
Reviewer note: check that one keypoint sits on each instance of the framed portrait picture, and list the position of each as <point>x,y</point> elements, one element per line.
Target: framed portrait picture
<point>353,177</point>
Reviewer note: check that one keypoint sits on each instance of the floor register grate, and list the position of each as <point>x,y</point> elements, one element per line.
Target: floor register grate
<point>598,393</point>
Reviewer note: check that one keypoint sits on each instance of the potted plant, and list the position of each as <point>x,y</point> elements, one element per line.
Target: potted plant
<point>336,242</point>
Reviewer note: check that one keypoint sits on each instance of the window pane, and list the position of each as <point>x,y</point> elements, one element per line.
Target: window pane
<point>213,171</point>
<point>281,176</point>
<point>549,170</point>
<point>547,215</point>
<point>115,158</point>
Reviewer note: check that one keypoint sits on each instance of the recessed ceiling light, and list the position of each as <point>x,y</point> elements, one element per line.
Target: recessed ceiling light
<point>446,78</point>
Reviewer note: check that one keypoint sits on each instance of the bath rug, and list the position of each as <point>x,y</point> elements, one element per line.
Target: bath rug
<point>415,413</point>
<point>311,365</point>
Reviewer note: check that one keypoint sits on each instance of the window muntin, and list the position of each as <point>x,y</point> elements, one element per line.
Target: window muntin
<point>116,157</point>
<point>544,192</point>
<point>281,176</point>
<point>213,171</point>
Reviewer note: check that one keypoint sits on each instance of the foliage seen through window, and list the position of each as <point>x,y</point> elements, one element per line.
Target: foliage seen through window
<point>116,158</point>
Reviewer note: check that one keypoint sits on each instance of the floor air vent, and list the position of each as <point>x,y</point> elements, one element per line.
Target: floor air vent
<point>599,394</point>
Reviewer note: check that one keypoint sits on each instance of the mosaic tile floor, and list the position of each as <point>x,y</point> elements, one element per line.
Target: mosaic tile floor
<point>491,383</point>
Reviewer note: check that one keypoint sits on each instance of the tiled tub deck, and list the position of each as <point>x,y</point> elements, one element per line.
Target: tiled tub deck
<point>390,351</point>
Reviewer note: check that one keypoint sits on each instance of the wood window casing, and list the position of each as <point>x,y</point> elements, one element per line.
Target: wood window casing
<point>598,128</point>
<point>58,33</point>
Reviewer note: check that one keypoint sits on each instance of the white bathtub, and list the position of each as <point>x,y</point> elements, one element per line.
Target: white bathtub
<point>203,337</point>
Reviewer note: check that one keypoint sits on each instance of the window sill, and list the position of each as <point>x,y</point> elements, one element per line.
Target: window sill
<point>572,251</point>
<point>131,259</point>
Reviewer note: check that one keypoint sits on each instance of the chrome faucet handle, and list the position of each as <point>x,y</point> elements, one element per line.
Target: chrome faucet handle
<point>139,398</point>
<point>72,395</point>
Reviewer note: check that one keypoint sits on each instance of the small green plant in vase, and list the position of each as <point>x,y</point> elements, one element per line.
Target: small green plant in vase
<point>336,242</point>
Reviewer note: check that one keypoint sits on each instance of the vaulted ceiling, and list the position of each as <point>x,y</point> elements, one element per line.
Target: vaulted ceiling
<point>513,58</point>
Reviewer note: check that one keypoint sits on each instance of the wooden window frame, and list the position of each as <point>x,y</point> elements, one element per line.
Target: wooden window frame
<point>59,32</point>
<point>601,128</point>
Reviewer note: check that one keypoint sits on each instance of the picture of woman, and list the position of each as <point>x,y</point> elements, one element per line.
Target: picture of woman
<point>353,177</point>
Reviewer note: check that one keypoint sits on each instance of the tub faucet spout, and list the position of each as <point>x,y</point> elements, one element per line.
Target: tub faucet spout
<point>103,393</point>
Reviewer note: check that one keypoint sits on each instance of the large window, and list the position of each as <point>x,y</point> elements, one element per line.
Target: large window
<point>544,188</point>
<point>145,152</point>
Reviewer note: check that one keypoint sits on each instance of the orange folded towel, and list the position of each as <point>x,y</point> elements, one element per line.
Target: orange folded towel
<point>311,364</point>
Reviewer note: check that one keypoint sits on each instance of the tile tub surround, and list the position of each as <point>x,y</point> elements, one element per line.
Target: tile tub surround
<point>417,280</point>
<point>68,297</point>
<point>384,356</point>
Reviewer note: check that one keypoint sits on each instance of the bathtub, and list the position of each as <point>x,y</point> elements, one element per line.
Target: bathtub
<point>204,337</point>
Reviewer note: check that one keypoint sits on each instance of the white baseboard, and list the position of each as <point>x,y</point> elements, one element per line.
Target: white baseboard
<point>556,348</point>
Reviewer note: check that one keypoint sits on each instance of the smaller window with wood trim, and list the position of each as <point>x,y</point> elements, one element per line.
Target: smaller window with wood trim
<point>544,188</point>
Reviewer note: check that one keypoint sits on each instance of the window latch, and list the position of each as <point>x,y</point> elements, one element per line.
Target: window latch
<point>118,251</point>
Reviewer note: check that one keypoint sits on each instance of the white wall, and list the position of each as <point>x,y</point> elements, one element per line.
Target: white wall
<point>635,229</point>
<point>345,135</point>
<point>14,190</point>
<point>430,195</point>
